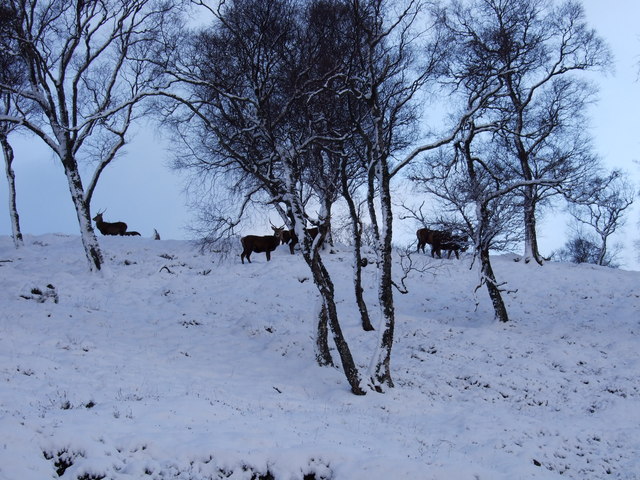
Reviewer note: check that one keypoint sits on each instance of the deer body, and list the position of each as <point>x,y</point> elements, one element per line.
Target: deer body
<point>442,240</point>
<point>108,228</point>
<point>259,244</point>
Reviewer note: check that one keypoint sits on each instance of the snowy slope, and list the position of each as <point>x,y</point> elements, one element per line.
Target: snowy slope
<point>205,369</point>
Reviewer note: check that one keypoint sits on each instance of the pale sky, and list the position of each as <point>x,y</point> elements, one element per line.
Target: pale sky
<point>615,119</point>
<point>140,189</point>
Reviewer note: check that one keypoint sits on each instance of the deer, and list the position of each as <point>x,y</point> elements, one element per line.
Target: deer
<point>259,244</point>
<point>115,228</point>
<point>440,240</point>
<point>457,244</point>
<point>290,237</point>
<point>108,228</point>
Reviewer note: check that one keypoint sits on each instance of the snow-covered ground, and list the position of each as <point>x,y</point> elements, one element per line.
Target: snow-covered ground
<point>205,369</point>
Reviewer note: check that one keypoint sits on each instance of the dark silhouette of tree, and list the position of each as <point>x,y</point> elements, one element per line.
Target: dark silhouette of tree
<point>391,69</point>
<point>539,49</point>
<point>583,248</point>
<point>255,88</point>
<point>600,204</point>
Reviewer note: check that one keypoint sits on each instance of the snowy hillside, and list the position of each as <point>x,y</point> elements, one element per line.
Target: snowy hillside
<point>205,369</point>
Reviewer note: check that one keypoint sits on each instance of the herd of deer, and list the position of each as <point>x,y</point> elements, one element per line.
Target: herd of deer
<point>438,239</point>
<point>442,240</point>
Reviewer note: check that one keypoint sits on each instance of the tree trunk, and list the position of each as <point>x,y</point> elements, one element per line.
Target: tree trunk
<point>357,251</point>
<point>531,251</point>
<point>489,279</point>
<point>483,242</point>
<point>323,354</point>
<point>371,202</point>
<point>602,252</point>
<point>322,281</point>
<point>380,373</point>
<point>88,235</point>
<point>11,180</point>
<point>529,192</point>
<point>324,284</point>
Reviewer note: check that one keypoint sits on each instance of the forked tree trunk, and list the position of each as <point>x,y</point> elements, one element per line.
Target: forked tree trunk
<point>357,252</point>
<point>380,370</point>
<point>11,180</point>
<point>322,281</point>
<point>87,234</point>
<point>324,284</point>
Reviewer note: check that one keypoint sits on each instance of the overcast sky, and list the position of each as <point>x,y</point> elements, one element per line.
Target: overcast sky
<point>142,191</point>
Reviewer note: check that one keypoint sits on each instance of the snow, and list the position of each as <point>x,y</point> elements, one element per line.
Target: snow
<point>205,369</point>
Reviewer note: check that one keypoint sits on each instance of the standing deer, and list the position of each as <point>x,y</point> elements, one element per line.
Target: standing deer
<point>115,228</point>
<point>259,244</point>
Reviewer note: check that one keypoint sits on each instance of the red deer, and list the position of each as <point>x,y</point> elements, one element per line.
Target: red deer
<point>458,243</point>
<point>259,244</point>
<point>289,237</point>
<point>115,228</point>
<point>440,240</point>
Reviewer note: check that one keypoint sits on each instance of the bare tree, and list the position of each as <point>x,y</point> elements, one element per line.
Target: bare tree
<point>539,49</point>
<point>474,181</point>
<point>335,168</point>
<point>11,72</point>
<point>251,89</point>
<point>389,76</point>
<point>491,197</point>
<point>5,129</point>
<point>87,67</point>
<point>601,207</point>
<point>351,179</point>
<point>582,247</point>
<point>470,185</point>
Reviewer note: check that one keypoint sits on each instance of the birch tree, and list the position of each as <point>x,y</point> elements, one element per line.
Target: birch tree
<point>540,48</point>
<point>473,180</point>
<point>11,73</point>
<point>475,190</point>
<point>489,194</point>
<point>352,178</point>
<point>86,70</point>
<point>249,85</point>
<point>337,172</point>
<point>7,128</point>
<point>601,207</point>
<point>396,57</point>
